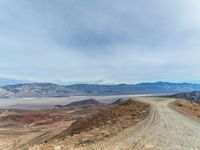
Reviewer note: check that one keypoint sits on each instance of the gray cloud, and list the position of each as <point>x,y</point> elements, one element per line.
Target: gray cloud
<point>114,41</point>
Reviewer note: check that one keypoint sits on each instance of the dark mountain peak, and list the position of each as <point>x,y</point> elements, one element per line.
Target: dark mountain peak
<point>119,101</point>
<point>85,102</point>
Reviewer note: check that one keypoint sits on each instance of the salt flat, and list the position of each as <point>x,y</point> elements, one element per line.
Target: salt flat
<point>45,103</point>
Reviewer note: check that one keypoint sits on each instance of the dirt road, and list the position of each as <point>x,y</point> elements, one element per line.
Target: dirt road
<point>165,129</point>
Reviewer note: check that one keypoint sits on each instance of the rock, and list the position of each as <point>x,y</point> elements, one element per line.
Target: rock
<point>57,147</point>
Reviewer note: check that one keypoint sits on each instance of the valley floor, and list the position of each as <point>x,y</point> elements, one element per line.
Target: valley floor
<point>164,129</point>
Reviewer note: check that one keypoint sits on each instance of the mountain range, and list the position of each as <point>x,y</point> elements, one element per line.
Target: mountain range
<point>37,90</point>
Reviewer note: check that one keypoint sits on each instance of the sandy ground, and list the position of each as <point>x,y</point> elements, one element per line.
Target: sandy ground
<point>165,129</point>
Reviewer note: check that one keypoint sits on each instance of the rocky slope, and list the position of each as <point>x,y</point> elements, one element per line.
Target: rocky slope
<point>192,96</point>
<point>186,107</point>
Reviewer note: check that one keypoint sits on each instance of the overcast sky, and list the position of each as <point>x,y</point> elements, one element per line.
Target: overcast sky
<point>100,41</point>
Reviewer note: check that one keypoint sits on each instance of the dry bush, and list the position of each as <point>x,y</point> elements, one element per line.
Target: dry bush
<point>178,103</point>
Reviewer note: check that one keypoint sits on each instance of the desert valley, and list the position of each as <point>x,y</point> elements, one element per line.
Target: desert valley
<point>99,75</point>
<point>91,122</point>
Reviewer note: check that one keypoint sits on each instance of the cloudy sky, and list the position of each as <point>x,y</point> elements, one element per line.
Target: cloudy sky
<point>100,41</point>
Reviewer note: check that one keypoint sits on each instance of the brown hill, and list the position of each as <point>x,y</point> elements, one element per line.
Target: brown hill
<point>85,102</point>
<point>123,115</point>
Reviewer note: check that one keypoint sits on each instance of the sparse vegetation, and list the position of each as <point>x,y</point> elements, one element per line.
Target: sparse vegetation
<point>120,116</point>
<point>178,103</point>
<point>188,107</point>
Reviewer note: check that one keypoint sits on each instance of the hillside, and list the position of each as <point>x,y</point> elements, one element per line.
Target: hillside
<point>82,103</point>
<point>119,101</point>
<point>37,90</point>
<point>192,96</point>
<point>186,107</point>
<point>22,127</point>
<point>99,126</point>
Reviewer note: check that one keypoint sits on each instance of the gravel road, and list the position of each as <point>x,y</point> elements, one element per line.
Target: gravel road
<point>164,129</point>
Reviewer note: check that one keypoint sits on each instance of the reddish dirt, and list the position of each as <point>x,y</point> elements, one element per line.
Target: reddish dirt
<point>18,118</point>
<point>25,118</point>
<point>37,126</point>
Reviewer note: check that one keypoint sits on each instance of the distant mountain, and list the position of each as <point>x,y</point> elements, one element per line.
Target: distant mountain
<point>36,90</point>
<point>142,88</point>
<point>191,96</point>
<point>31,90</point>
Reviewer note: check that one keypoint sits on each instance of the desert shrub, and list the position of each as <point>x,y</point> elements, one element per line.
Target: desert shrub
<point>178,103</point>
